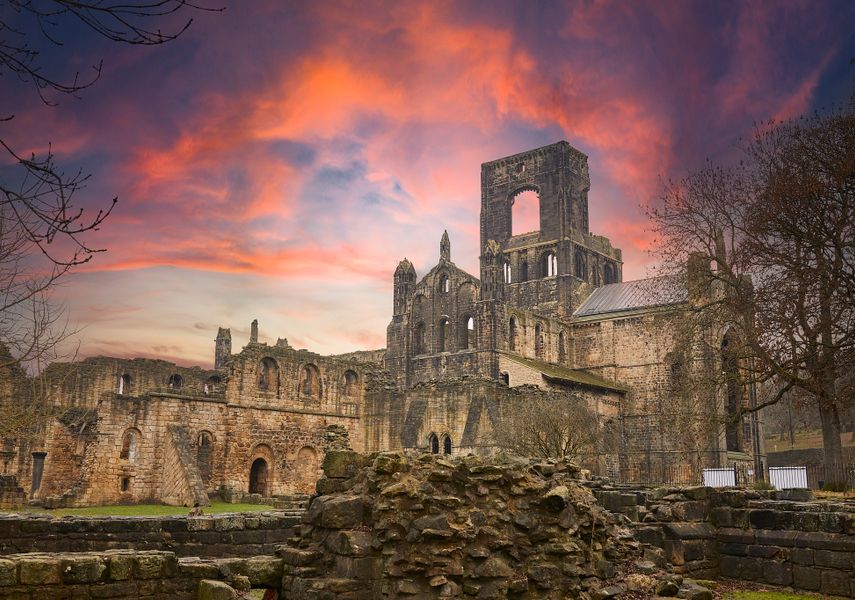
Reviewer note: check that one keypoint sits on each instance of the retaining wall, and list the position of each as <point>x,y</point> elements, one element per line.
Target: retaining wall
<point>224,535</point>
<point>780,538</point>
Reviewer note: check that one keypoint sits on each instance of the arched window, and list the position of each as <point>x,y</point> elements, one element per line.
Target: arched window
<point>446,444</point>
<point>580,269</point>
<point>444,336</point>
<point>548,265</point>
<point>350,381</point>
<point>419,339</point>
<point>130,442</point>
<point>174,382</point>
<point>562,348</point>
<point>268,376</point>
<point>609,273</point>
<point>433,443</point>
<point>311,382</point>
<point>523,271</point>
<point>212,383</point>
<point>525,212</point>
<point>125,384</point>
<point>512,334</point>
<point>444,284</point>
<point>204,445</point>
<point>538,341</point>
<point>506,268</point>
<point>468,333</point>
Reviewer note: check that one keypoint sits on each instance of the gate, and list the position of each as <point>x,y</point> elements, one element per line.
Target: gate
<point>720,477</point>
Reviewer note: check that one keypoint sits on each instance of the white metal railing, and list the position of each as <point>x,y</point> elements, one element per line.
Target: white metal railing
<point>783,478</point>
<point>725,477</point>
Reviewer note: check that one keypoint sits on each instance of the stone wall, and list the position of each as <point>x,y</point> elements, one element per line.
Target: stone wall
<point>775,537</point>
<point>131,574</point>
<point>245,534</point>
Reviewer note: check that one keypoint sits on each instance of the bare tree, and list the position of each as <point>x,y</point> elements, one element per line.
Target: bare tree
<point>550,425</point>
<point>767,250</point>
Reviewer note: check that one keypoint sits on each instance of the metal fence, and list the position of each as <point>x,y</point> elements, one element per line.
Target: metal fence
<point>720,477</point>
<point>783,478</point>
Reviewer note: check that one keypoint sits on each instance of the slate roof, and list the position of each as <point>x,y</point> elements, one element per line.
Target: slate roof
<point>632,295</point>
<point>565,374</point>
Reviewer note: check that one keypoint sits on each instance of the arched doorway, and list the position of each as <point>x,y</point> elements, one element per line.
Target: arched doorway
<point>258,477</point>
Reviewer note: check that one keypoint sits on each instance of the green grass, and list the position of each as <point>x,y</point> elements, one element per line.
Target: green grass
<point>768,596</point>
<point>146,510</point>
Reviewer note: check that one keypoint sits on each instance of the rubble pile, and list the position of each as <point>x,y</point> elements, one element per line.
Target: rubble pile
<point>406,526</point>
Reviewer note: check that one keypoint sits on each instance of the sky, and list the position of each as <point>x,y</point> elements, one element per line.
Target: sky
<point>278,159</point>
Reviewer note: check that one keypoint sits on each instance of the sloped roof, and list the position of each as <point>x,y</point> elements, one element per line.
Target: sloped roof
<point>565,374</point>
<point>633,295</point>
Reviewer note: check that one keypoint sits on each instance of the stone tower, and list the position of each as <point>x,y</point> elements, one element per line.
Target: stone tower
<point>554,268</point>
<point>222,347</point>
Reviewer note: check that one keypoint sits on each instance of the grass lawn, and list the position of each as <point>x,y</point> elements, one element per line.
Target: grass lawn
<point>746,595</point>
<point>145,510</point>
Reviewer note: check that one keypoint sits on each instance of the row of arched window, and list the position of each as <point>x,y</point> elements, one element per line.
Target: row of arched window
<point>435,443</point>
<point>548,267</point>
<point>173,382</point>
<point>444,337</point>
<point>310,379</point>
<point>539,341</point>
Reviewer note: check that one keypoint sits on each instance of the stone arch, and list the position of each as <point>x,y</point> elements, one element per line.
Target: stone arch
<point>466,294</point>
<point>260,470</point>
<point>433,443</point>
<point>548,264</point>
<point>310,381</point>
<point>444,284</point>
<point>212,383</point>
<point>446,443</point>
<point>175,381</point>
<point>467,332</point>
<point>609,273</point>
<point>204,454</point>
<point>351,383</point>
<point>580,268</point>
<point>419,343</point>
<point>268,375</point>
<point>131,439</point>
<point>443,335</point>
<point>525,210</point>
<point>523,271</point>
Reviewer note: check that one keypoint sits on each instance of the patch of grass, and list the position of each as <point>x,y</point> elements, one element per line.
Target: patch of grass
<point>146,510</point>
<point>769,596</point>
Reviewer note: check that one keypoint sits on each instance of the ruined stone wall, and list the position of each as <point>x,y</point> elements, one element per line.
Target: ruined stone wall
<point>133,574</point>
<point>222,535</point>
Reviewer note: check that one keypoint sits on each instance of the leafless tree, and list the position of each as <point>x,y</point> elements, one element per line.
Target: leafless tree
<point>550,425</point>
<point>767,251</point>
<point>44,231</point>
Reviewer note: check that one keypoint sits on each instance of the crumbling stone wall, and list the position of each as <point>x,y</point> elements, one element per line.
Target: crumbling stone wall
<point>395,526</point>
<point>775,537</point>
<point>131,574</point>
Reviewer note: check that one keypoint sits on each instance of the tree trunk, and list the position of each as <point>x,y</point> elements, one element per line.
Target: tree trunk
<point>835,475</point>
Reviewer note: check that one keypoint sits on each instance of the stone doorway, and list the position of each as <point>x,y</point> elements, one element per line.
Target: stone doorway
<point>258,477</point>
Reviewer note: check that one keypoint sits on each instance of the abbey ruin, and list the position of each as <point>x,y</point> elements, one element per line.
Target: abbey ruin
<point>549,313</point>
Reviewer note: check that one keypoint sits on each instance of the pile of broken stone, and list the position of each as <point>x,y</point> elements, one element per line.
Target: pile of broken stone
<point>397,525</point>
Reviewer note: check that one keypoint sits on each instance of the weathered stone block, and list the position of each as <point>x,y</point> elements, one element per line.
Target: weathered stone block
<point>151,565</point>
<point>39,571</point>
<point>215,590</point>
<point>777,572</point>
<point>8,572</point>
<point>834,560</point>
<point>82,569</point>
<point>350,543</point>
<point>342,512</point>
<point>806,578</point>
<point>361,569</point>
<point>835,583</point>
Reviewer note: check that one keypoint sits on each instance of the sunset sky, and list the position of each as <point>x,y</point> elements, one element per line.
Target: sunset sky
<point>279,158</point>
